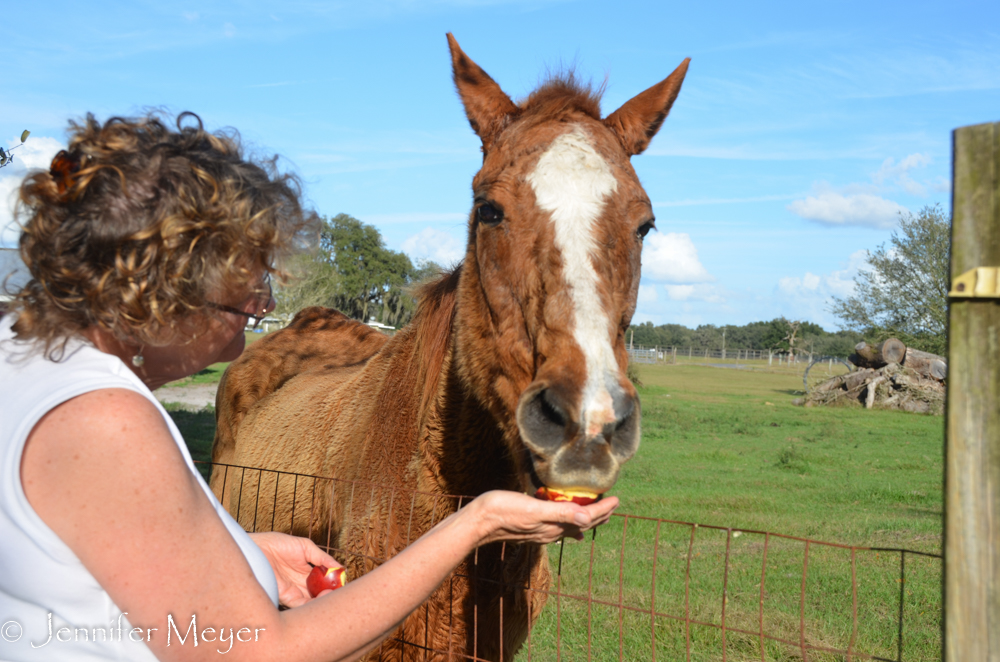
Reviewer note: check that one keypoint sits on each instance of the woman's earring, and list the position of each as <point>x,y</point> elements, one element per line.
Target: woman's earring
<point>137,359</point>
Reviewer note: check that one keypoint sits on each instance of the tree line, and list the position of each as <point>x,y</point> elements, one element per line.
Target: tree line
<point>902,292</point>
<point>776,335</point>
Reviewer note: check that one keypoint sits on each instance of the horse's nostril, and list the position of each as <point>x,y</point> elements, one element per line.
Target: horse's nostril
<point>625,418</point>
<point>542,421</point>
<point>549,410</point>
<point>624,438</point>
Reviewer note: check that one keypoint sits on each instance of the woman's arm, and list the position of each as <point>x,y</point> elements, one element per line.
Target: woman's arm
<point>104,473</point>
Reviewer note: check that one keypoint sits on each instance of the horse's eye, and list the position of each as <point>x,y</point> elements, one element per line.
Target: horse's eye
<point>645,228</point>
<point>488,214</point>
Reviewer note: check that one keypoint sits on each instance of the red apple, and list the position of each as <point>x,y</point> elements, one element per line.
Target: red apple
<point>322,578</point>
<point>581,497</point>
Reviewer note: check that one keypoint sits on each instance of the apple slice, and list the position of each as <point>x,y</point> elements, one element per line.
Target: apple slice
<point>581,497</point>
<point>322,578</point>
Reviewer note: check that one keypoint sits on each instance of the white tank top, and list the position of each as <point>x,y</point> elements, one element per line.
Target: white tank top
<point>41,579</point>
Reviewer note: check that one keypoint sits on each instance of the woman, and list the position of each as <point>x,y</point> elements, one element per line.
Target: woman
<point>148,249</point>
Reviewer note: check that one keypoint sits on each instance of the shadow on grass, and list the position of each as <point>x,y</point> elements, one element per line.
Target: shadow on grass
<point>198,430</point>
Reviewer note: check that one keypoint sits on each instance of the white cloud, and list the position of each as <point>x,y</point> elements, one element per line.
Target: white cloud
<point>853,209</point>
<point>190,15</point>
<point>891,170</point>
<point>863,203</point>
<point>672,258</point>
<point>898,173</point>
<point>9,231</point>
<point>700,292</point>
<point>808,296</point>
<point>229,29</point>
<point>679,292</point>
<point>435,245</point>
<point>36,152</point>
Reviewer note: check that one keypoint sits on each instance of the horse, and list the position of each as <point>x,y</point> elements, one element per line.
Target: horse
<point>511,375</point>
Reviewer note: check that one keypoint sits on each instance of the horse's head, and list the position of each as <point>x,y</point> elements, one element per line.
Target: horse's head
<point>551,273</point>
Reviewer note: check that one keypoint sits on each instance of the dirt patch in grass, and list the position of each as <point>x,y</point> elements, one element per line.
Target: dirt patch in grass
<point>192,397</point>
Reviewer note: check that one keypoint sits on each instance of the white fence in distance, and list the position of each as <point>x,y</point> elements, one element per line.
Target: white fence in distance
<point>658,354</point>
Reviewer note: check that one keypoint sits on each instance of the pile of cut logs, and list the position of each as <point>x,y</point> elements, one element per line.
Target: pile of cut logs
<point>888,376</point>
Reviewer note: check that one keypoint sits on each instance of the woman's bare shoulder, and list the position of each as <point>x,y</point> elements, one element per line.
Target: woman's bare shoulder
<point>102,447</point>
<point>98,423</point>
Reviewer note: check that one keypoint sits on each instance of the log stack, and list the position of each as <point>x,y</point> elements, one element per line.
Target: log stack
<point>888,376</point>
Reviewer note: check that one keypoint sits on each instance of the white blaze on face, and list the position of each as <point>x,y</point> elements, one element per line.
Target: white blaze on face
<point>571,182</point>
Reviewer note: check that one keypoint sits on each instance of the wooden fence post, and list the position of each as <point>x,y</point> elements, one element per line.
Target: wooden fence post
<point>972,446</point>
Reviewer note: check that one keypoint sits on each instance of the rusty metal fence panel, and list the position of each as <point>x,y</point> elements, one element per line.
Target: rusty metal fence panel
<point>642,588</point>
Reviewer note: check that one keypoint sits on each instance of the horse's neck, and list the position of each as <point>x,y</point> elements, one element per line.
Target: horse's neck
<point>460,442</point>
<point>474,457</point>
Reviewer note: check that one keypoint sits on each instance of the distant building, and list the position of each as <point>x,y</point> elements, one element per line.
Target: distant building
<point>13,275</point>
<point>268,323</point>
<point>387,330</point>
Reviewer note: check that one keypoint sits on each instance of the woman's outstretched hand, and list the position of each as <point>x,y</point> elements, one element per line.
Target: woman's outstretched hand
<point>292,558</point>
<point>514,516</point>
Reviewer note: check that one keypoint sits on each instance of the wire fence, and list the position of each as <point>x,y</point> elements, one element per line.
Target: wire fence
<point>671,354</point>
<point>639,588</point>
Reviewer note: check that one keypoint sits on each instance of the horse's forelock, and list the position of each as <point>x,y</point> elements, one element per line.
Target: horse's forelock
<point>563,93</point>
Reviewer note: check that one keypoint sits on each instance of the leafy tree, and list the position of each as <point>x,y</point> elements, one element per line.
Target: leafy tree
<point>707,336</point>
<point>904,290</point>
<point>353,271</point>
<point>367,269</point>
<point>772,335</point>
<point>840,343</point>
<point>314,282</point>
<point>667,335</point>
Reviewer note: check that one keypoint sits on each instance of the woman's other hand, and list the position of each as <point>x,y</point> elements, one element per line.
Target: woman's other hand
<point>292,558</point>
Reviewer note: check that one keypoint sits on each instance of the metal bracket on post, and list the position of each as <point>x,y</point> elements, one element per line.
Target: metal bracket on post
<point>978,283</point>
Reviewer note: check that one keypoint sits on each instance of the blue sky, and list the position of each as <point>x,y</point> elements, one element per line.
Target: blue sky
<point>800,133</point>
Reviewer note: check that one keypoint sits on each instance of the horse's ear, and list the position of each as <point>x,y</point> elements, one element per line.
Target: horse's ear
<point>638,120</point>
<point>489,110</point>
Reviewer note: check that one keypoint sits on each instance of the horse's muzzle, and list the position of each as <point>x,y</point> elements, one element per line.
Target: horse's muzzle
<point>566,451</point>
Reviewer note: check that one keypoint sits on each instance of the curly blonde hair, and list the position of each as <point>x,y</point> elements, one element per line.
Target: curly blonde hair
<point>136,226</point>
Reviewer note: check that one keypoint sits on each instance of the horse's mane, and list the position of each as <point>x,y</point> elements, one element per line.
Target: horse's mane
<point>432,325</point>
<point>561,94</point>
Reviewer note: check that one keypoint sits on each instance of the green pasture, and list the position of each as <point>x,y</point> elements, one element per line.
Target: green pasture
<point>726,448</point>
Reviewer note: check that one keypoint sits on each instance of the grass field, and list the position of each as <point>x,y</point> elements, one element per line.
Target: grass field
<point>725,447</point>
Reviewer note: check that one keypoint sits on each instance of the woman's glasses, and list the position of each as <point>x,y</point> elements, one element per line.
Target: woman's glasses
<point>260,305</point>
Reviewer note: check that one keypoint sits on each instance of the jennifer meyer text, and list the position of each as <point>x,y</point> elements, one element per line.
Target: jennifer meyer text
<point>11,631</point>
